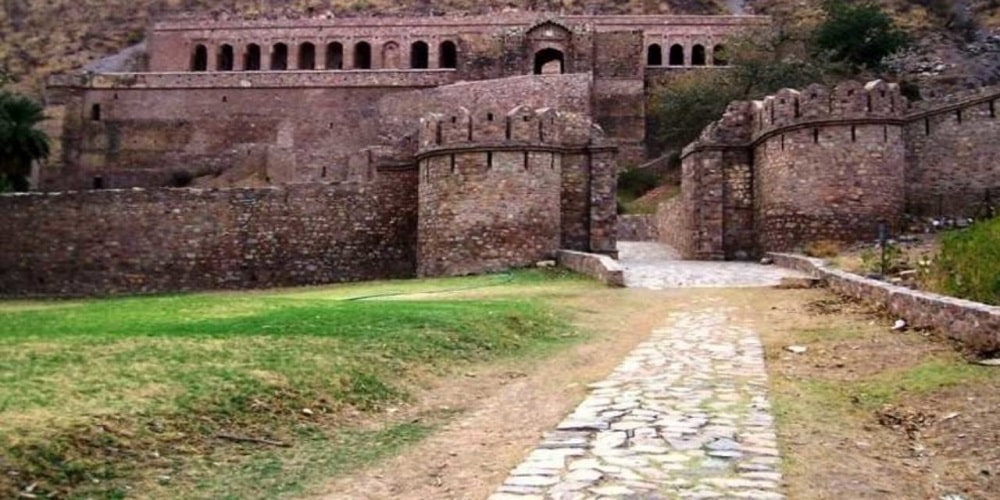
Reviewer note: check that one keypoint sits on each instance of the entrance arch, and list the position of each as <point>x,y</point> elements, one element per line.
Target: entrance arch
<point>549,61</point>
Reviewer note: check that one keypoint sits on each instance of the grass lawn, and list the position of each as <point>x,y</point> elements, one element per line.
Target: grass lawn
<point>254,394</point>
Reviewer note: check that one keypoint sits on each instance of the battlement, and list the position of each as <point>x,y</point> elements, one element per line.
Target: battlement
<point>934,103</point>
<point>521,126</point>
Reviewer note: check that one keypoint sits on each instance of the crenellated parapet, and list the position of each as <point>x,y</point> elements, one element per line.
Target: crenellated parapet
<point>492,128</point>
<point>849,102</point>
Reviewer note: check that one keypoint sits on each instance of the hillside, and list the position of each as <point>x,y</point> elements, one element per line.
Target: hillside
<point>41,37</point>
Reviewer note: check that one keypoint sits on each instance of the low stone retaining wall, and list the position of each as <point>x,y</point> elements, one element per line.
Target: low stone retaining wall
<point>600,267</point>
<point>638,228</point>
<point>975,325</point>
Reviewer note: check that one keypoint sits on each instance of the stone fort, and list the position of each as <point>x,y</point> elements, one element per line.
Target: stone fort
<point>248,153</point>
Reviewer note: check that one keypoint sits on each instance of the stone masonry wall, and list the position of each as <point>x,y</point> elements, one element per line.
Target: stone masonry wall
<point>638,227</point>
<point>167,240</point>
<point>953,155</point>
<point>484,211</point>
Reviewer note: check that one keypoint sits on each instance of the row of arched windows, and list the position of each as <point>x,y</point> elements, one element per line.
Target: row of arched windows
<point>676,56</point>
<point>331,57</point>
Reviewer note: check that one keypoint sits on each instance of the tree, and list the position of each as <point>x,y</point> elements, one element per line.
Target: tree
<point>20,142</point>
<point>858,34</point>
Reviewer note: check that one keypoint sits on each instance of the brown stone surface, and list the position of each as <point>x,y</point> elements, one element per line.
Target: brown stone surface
<point>156,240</point>
<point>637,228</point>
<point>830,164</point>
<point>600,267</point>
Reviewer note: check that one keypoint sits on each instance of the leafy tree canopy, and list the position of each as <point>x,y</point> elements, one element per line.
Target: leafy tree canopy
<point>858,34</point>
<point>20,141</point>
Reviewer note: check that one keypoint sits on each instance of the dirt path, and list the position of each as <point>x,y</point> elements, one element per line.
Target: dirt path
<point>506,409</point>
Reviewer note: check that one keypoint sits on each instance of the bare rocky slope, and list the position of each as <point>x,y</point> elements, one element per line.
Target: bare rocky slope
<point>41,37</point>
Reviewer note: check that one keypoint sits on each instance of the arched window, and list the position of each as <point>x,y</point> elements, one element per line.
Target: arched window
<point>449,54</point>
<point>279,57</point>
<point>419,55</point>
<point>698,55</point>
<point>226,59</point>
<point>307,56</point>
<point>676,55</point>
<point>362,56</point>
<point>335,56</point>
<point>654,55</point>
<point>719,57</point>
<point>251,59</point>
<point>199,58</point>
<point>549,61</point>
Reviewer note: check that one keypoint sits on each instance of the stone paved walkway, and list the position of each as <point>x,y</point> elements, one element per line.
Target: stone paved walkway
<point>684,416</point>
<point>656,267</point>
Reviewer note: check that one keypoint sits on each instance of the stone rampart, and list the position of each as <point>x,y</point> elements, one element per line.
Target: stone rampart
<point>167,240</point>
<point>830,164</point>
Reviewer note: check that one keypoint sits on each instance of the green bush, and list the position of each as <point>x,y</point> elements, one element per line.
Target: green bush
<point>969,263</point>
<point>635,183</point>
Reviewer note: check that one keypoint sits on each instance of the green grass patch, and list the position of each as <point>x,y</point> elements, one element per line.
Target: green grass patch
<point>969,263</point>
<point>171,373</point>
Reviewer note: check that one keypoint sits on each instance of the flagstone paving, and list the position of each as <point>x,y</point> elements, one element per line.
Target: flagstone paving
<point>685,415</point>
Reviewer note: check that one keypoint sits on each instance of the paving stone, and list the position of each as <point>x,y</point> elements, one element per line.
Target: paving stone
<point>684,413</point>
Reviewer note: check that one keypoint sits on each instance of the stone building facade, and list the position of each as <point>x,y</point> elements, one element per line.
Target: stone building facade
<point>831,164</point>
<point>297,100</point>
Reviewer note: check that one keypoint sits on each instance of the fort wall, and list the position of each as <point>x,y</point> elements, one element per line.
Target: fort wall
<point>831,164</point>
<point>160,240</point>
<point>953,155</point>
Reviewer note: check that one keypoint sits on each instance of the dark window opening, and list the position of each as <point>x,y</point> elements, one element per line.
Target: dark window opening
<point>251,60</point>
<point>199,59</point>
<point>698,55</point>
<point>719,57</point>
<point>927,126</point>
<point>335,56</point>
<point>97,182</point>
<point>307,56</point>
<point>453,164</point>
<point>279,57</point>
<point>489,160</point>
<point>854,134</point>
<point>958,115</point>
<point>869,103</point>
<point>798,112</point>
<point>782,142</point>
<point>489,117</point>
<point>227,58</point>
<point>225,99</point>
<point>448,54</point>
<point>526,160</point>
<point>95,112</point>
<point>885,133</point>
<point>676,55</point>
<point>419,55</point>
<point>654,55</point>
<point>815,136</point>
<point>549,61</point>
<point>993,109</point>
<point>362,56</point>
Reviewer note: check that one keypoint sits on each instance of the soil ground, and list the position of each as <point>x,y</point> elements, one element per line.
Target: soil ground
<point>864,413</point>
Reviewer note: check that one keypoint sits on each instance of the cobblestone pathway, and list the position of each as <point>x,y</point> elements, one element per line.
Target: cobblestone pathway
<point>684,416</point>
<point>653,266</point>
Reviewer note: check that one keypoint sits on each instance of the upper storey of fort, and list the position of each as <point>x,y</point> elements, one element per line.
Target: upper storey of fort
<point>423,43</point>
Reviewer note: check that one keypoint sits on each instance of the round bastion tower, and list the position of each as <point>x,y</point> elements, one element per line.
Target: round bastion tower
<point>829,164</point>
<point>490,188</point>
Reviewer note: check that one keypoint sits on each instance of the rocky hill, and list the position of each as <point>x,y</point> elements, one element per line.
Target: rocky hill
<point>41,37</point>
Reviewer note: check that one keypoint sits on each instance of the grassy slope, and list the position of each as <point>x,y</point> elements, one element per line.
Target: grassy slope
<point>98,397</point>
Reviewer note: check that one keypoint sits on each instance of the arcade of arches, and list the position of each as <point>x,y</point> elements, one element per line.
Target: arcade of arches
<point>280,58</point>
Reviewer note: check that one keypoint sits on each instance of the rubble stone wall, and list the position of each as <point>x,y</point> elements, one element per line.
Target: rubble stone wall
<point>168,240</point>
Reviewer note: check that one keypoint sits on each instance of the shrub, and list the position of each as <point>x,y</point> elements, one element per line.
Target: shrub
<point>969,263</point>
<point>823,249</point>
<point>635,182</point>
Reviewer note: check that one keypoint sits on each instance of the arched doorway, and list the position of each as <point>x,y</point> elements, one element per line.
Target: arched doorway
<point>549,62</point>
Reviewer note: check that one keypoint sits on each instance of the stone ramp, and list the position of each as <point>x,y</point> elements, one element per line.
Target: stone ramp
<point>684,416</point>
<point>658,267</point>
